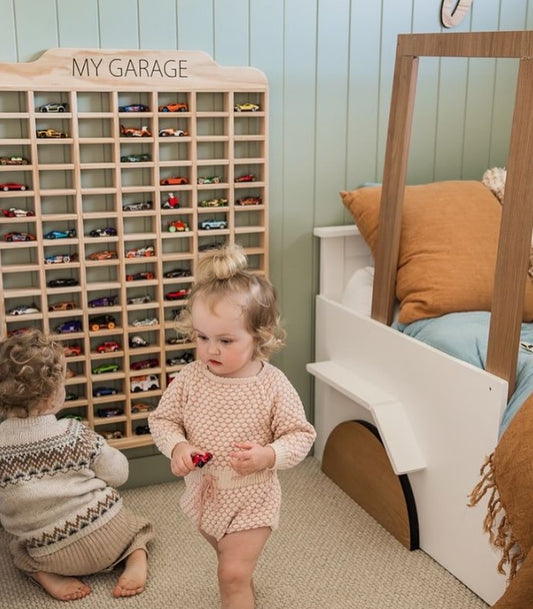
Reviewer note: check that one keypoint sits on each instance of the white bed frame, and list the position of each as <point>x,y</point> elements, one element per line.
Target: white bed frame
<point>438,417</point>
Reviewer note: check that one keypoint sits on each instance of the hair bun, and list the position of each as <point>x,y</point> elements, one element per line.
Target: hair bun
<point>221,263</point>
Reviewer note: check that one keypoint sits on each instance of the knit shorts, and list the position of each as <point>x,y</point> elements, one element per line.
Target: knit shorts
<point>218,511</point>
<point>98,551</point>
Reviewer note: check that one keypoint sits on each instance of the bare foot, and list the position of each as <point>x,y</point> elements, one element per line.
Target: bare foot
<point>133,579</point>
<point>61,587</point>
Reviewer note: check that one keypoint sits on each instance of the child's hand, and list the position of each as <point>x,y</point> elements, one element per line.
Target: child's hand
<point>181,462</point>
<point>249,458</point>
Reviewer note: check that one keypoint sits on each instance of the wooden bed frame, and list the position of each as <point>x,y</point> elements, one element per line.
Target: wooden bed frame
<point>437,417</point>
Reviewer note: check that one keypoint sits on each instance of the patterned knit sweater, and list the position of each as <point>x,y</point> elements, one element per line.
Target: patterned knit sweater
<point>213,412</point>
<point>56,481</point>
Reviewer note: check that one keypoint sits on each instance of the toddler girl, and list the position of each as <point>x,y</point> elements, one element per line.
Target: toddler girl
<point>57,499</point>
<point>236,406</point>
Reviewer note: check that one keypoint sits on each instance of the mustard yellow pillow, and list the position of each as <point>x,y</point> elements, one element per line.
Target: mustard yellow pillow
<point>448,249</point>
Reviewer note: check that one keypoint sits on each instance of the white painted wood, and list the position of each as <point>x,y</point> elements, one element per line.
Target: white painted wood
<point>389,414</point>
<point>452,407</point>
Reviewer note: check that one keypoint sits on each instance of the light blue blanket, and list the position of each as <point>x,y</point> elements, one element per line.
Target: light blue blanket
<point>465,336</point>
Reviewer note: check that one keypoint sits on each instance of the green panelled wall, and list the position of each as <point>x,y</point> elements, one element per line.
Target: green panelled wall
<point>329,64</point>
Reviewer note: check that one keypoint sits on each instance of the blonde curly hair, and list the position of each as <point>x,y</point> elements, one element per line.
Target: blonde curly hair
<point>32,370</point>
<point>223,272</point>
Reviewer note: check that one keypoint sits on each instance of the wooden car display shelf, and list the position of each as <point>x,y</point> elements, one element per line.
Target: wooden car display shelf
<point>131,164</point>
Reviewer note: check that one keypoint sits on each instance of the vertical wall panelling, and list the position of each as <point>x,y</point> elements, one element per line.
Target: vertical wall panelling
<point>158,27</point>
<point>363,96</point>
<point>8,46</point>
<point>196,29</point>
<point>232,32</point>
<point>298,186</point>
<point>78,24</point>
<point>331,103</point>
<point>119,24</point>
<point>35,27</point>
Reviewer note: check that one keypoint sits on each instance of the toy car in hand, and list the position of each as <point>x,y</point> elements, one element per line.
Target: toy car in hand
<point>15,212</point>
<point>135,132</point>
<point>174,107</point>
<point>200,459</point>
<point>61,234</point>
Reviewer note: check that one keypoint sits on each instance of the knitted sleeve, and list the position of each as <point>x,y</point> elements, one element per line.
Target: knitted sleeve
<point>293,434</point>
<point>166,421</point>
<point>111,466</point>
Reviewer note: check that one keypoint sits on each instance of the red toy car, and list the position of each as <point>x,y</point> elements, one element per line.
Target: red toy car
<point>12,186</point>
<point>177,225</point>
<point>134,132</point>
<point>108,346</point>
<point>245,178</point>
<point>200,459</point>
<point>176,180</point>
<point>177,295</point>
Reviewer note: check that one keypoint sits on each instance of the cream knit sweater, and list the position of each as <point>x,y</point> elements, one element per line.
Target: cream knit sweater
<point>56,481</point>
<point>213,412</point>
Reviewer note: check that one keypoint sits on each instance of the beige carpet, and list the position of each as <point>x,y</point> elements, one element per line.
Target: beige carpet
<point>327,554</point>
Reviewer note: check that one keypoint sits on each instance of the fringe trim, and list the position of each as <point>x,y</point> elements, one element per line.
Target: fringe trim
<point>496,523</point>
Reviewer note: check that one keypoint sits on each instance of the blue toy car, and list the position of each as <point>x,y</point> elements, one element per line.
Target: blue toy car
<point>61,234</point>
<point>66,327</point>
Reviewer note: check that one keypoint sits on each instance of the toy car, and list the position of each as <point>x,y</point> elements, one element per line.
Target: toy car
<point>186,358</point>
<point>137,341</point>
<point>104,368</point>
<point>200,459</point>
<point>177,225</point>
<point>100,391</point>
<point>137,206</point>
<point>103,301</point>
<point>141,407</point>
<point>144,383</point>
<point>72,350</point>
<point>135,158</point>
<point>171,203</point>
<point>15,212</point>
<point>113,435</point>
<point>177,273</point>
<point>213,203</point>
<point>246,107</point>
<point>142,276</point>
<point>108,346</point>
<point>249,177</point>
<point>17,236</point>
<point>62,282</point>
<point>213,224</point>
<point>13,160</point>
<point>54,107</point>
<point>249,201</point>
<point>73,325</point>
<point>23,310</point>
<point>103,255</point>
<point>12,186</point>
<point>174,107</point>
<point>101,322</point>
<point>109,231</point>
<point>173,132</point>
<point>106,413</point>
<point>141,430</point>
<point>134,132</point>
<point>65,305</point>
<point>145,363</point>
<point>210,180</point>
<point>51,133</point>
<point>139,299</point>
<point>19,331</point>
<point>69,397</point>
<point>140,252</point>
<point>178,294</point>
<point>134,108</point>
<point>176,180</point>
<point>60,258</point>
<point>147,321</point>
<point>61,234</point>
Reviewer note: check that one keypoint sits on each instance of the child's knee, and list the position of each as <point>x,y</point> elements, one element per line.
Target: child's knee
<point>234,573</point>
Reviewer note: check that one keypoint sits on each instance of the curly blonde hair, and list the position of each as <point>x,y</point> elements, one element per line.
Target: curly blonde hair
<point>223,272</point>
<point>32,370</point>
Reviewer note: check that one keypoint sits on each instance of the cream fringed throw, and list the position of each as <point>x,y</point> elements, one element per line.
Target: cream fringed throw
<point>507,476</point>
